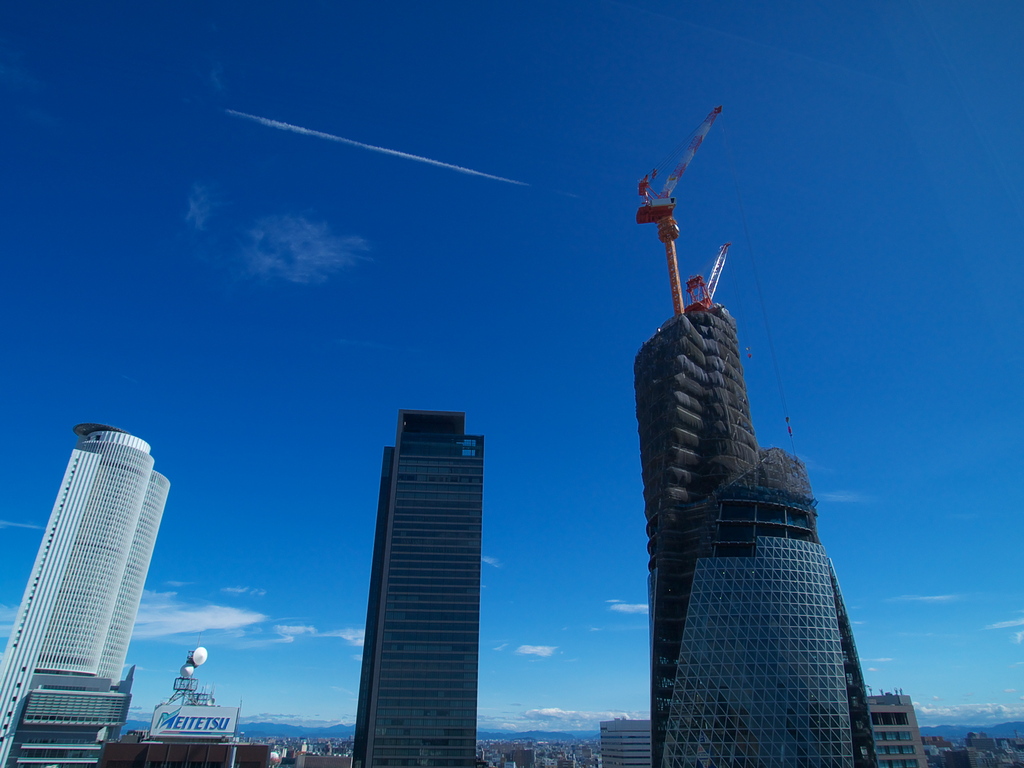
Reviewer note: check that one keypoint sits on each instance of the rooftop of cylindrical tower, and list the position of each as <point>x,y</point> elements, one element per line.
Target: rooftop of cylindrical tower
<point>84,430</point>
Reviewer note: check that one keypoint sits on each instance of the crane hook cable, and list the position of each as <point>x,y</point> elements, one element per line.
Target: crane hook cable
<point>673,157</point>
<point>760,293</point>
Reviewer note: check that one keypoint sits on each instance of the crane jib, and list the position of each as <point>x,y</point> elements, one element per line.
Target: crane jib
<point>690,151</point>
<point>658,208</point>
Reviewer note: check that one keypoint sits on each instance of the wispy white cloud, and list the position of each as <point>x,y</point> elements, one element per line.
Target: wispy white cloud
<point>876,660</point>
<point>11,524</point>
<point>162,614</point>
<point>536,650</point>
<point>201,203</point>
<point>178,583</point>
<point>501,647</point>
<point>1005,624</point>
<point>288,632</point>
<point>312,721</point>
<point>492,561</point>
<point>216,77</point>
<point>393,152</point>
<point>298,250</point>
<point>7,614</point>
<point>924,599</point>
<point>620,607</point>
<point>254,591</point>
<point>972,714</point>
<point>368,344</point>
<point>351,636</point>
<point>844,497</point>
<point>13,75</point>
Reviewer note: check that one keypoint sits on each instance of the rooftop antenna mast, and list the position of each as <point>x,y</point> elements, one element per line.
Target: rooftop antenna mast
<point>186,687</point>
<point>658,207</point>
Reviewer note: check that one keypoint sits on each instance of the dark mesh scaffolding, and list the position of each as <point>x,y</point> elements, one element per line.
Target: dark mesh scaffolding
<point>698,450</point>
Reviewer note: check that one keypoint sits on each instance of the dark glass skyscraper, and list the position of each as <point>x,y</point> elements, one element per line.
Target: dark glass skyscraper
<point>752,657</point>
<point>418,689</point>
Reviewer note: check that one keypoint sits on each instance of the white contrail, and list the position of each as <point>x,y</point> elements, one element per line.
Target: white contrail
<point>331,137</point>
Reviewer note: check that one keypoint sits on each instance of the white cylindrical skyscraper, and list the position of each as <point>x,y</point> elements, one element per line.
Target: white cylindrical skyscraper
<point>83,594</point>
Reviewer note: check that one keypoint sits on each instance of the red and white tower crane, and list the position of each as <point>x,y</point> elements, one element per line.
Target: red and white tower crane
<point>700,296</point>
<point>658,208</point>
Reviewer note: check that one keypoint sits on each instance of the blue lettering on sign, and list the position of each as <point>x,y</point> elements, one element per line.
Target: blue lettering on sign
<point>168,717</point>
<point>175,721</point>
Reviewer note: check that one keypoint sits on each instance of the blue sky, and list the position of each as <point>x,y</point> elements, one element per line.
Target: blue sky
<point>258,303</point>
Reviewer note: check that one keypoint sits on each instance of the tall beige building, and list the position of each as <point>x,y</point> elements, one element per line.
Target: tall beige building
<point>897,737</point>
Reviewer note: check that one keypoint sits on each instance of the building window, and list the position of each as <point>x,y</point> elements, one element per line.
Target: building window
<point>736,533</point>
<point>889,718</point>
<point>892,735</point>
<point>733,550</point>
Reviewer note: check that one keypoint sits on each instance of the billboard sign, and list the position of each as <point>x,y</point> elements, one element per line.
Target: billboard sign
<point>194,721</point>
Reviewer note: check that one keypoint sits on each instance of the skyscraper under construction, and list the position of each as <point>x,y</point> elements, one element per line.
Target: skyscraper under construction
<point>752,656</point>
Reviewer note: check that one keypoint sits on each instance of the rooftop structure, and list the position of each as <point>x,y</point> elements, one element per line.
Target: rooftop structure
<point>897,736</point>
<point>191,714</point>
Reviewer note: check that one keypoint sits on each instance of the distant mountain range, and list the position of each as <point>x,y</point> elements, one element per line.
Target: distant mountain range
<point>266,730</point>
<point>342,731</point>
<point>959,731</point>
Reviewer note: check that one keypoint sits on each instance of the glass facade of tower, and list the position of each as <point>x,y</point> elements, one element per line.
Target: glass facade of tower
<point>752,656</point>
<point>762,649</point>
<point>418,689</point>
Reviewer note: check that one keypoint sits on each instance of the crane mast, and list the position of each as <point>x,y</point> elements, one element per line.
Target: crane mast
<point>668,231</point>
<point>658,207</point>
<point>702,296</point>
